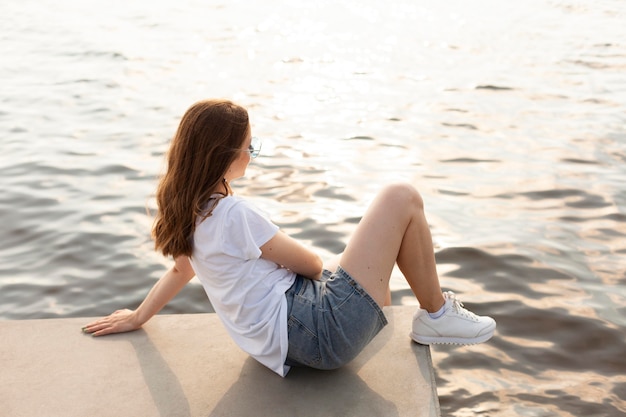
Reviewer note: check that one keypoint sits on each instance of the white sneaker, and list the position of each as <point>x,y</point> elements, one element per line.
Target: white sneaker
<point>457,325</point>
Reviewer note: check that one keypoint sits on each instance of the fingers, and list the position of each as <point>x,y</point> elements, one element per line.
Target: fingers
<point>97,328</point>
<point>91,327</point>
<point>105,331</point>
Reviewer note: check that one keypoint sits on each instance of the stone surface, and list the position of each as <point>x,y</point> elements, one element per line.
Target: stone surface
<point>186,365</point>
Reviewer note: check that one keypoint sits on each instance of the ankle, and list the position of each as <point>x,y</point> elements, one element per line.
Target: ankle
<point>438,313</point>
<point>435,306</point>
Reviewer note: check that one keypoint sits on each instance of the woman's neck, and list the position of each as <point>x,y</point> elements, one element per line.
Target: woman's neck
<point>222,189</point>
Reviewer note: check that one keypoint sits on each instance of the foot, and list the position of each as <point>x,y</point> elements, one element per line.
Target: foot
<point>456,326</point>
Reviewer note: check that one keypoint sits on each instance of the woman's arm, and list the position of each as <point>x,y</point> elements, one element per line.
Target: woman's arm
<point>161,293</point>
<point>289,253</point>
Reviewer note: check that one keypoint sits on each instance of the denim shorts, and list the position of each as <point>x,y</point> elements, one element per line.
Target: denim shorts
<point>329,321</point>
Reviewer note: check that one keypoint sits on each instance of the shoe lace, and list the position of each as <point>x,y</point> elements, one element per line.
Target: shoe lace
<point>457,305</point>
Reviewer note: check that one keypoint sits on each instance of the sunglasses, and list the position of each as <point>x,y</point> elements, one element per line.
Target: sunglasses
<point>255,147</point>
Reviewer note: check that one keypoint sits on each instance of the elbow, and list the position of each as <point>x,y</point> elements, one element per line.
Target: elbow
<point>312,269</point>
<point>182,269</point>
<point>317,268</point>
<point>319,265</point>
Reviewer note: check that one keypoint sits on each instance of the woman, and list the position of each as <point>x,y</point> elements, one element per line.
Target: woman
<point>272,294</point>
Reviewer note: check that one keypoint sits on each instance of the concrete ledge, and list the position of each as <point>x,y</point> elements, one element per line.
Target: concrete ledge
<point>186,365</point>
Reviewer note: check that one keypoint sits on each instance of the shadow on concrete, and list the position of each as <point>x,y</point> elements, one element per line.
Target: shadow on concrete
<point>163,384</point>
<point>304,392</point>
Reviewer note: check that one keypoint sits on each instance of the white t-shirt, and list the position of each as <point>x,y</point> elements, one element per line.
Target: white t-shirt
<point>246,291</point>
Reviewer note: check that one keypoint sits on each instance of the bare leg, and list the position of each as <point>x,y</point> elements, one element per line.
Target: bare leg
<point>394,229</point>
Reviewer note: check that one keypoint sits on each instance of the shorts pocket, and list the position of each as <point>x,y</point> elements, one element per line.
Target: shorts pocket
<point>303,344</point>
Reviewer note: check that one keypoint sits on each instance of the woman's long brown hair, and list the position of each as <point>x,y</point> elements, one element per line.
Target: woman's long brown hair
<point>209,137</point>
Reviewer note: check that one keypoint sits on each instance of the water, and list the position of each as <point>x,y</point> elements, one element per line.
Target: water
<point>509,118</point>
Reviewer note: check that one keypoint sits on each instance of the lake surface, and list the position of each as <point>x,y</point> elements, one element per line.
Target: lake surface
<point>510,118</point>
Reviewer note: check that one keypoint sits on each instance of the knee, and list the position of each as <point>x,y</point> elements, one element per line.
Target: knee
<point>404,195</point>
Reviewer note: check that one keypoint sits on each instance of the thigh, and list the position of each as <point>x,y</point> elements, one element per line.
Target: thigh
<point>373,249</point>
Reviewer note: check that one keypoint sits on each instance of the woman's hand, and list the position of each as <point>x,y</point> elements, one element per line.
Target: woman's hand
<point>118,322</point>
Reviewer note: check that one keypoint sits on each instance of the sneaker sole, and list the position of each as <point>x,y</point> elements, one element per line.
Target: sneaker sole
<point>427,340</point>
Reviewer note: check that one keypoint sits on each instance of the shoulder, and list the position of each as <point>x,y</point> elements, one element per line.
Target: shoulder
<point>239,205</point>
<point>236,213</point>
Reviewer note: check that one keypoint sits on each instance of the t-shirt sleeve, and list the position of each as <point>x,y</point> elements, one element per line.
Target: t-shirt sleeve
<point>246,229</point>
